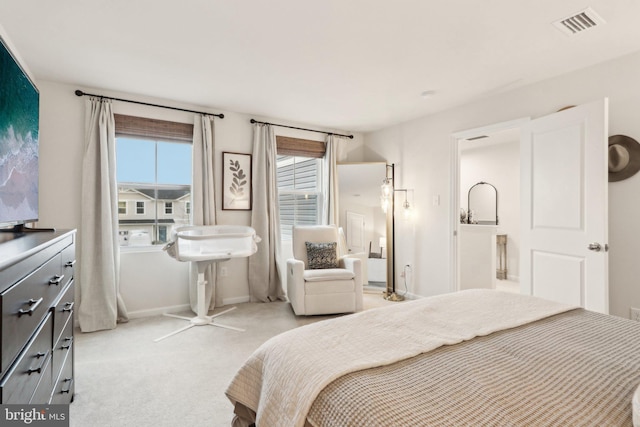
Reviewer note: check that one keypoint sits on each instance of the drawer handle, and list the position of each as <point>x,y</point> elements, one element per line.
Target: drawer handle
<point>39,368</point>
<point>68,390</point>
<point>70,263</point>
<point>67,346</point>
<point>68,306</point>
<point>56,279</point>
<point>34,305</point>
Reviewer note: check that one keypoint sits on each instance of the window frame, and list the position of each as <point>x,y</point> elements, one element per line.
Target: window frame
<point>157,131</point>
<point>140,206</point>
<point>303,149</point>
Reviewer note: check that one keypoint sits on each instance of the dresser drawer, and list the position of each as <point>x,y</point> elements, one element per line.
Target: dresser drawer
<point>62,348</point>
<point>63,311</point>
<point>42,395</point>
<point>19,385</point>
<point>24,305</point>
<point>64,386</point>
<point>15,272</point>
<point>68,259</point>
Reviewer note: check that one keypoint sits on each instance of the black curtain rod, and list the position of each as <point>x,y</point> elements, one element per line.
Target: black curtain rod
<point>81,93</point>
<point>292,127</point>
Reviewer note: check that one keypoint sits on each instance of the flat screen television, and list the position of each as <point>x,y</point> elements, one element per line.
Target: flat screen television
<point>19,125</point>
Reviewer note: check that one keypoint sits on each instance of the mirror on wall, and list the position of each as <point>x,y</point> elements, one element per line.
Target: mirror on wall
<point>482,202</point>
<point>362,219</point>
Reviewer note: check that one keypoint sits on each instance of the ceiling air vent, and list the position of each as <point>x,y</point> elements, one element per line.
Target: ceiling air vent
<point>579,22</point>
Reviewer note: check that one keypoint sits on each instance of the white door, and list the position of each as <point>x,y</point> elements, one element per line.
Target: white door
<point>355,233</point>
<point>564,207</point>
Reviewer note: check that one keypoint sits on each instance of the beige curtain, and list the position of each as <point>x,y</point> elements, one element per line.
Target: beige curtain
<point>331,212</point>
<point>265,278</point>
<point>204,204</point>
<point>101,305</point>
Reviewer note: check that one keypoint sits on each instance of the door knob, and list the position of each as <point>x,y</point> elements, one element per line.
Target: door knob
<point>596,247</point>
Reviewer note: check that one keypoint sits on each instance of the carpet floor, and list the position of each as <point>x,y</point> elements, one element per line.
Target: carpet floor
<point>124,378</point>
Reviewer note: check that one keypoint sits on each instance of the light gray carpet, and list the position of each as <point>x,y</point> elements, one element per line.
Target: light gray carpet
<point>123,378</point>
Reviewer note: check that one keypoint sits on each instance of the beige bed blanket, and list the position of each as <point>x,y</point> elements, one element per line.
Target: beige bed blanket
<point>282,378</point>
<point>574,369</point>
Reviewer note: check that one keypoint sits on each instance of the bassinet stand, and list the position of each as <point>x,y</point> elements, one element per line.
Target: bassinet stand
<point>203,259</point>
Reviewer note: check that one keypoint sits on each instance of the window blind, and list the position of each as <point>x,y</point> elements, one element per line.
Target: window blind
<point>288,146</point>
<point>298,192</point>
<point>142,127</point>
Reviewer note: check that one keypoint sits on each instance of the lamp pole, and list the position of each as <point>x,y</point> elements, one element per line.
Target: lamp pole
<point>390,294</point>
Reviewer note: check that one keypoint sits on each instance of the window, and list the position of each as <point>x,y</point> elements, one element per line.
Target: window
<point>300,192</point>
<point>154,173</point>
<point>187,207</point>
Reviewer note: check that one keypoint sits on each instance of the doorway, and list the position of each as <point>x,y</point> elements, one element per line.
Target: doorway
<point>563,251</point>
<point>354,230</point>
<point>489,155</point>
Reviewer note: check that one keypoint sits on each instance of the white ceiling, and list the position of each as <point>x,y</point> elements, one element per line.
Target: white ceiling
<point>353,65</point>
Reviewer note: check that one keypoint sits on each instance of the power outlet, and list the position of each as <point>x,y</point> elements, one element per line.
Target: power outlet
<point>635,314</point>
<point>403,273</point>
<point>224,272</point>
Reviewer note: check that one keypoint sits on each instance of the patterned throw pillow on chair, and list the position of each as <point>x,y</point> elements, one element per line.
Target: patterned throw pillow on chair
<point>321,255</point>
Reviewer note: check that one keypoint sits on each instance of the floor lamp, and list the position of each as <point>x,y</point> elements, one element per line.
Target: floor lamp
<point>388,191</point>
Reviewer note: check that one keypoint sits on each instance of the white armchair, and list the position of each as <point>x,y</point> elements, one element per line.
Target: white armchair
<point>323,290</point>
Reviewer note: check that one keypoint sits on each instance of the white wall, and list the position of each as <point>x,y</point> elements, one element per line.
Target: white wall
<point>150,280</point>
<point>499,165</point>
<point>420,149</point>
<point>422,153</point>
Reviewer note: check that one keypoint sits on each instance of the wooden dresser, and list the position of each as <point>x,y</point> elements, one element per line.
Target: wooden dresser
<point>37,298</point>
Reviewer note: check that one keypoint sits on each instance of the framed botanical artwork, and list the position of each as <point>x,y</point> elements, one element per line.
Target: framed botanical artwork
<point>236,181</point>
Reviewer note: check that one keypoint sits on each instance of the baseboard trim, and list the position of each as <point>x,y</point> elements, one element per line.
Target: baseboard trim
<point>236,300</point>
<point>158,311</point>
<point>138,314</point>
<point>409,295</point>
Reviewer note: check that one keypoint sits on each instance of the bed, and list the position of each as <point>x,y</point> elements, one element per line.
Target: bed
<point>471,358</point>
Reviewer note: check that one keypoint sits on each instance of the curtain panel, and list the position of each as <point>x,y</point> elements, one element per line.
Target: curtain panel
<point>101,305</point>
<point>204,203</point>
<point>265,278</point>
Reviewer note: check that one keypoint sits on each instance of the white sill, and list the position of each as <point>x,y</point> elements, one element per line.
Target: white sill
<point>141,249</point>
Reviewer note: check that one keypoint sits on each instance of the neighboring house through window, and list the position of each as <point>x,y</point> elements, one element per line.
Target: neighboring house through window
<point>154,175</point>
